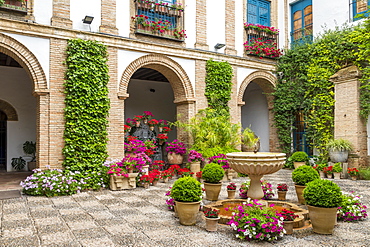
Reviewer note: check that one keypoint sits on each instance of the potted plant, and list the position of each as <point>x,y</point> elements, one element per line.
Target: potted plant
<point>120,177</point>
<point>175,151</point>
<point>212,174</point>
<point>320,168</point>
<point>146,180</point>
<point>152,123</point>
<point>29,148</point>
<point>187,192</point>
<point>288,218</point>
<point>323,197</point>
<point>18,163</point>
<point>194,158</point>
<point>231,189</point>
<point>351,209</point>
<point>282,190</point>
<point>328,171</point>
<point>301,176</point>
<point>337,169</point>
<point>299,158</point>
<point>339,149</point>
<point>155,175</point>
<point>221,160</point>
<point>211,219</point>
<point>250,142</point>
<point>165,175</point>
<point>260,222</point>
<point>353,173</point>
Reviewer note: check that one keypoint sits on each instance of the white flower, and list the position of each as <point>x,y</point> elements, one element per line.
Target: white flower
<point>281,218</point>
<point>246,226</point>
<point>284,230</point>
<point>233,213</point>
<point>237,235</point>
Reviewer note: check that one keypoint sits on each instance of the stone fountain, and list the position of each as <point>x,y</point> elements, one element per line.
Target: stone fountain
<point>256,164</point>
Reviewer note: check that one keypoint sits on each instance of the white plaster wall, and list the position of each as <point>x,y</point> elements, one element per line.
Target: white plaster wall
<point>16,89</point>
<point>160,102</point>
<point>123,17</point>
<point>216,24</point>
<point>255,114</point>
<point>239,27</point>
<point>39,47</point>
<point>81,8</point>
<point>189,22</point>
<point>281,22</point>
<point>124,60</point>
<point>189,66</point>
<point>241,74</point>
<point>43,11</point>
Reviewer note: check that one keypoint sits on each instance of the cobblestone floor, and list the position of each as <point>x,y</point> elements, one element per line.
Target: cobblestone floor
<point>140,217</point>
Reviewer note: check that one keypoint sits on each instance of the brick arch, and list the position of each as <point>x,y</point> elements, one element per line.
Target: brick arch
<point>9,110</point>
<point>176,75</point>
<point>264,79</point>
<point>26,59</point>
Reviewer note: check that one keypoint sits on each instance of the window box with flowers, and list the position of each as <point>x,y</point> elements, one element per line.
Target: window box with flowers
<point>14,5</point>
<point>160,19</point>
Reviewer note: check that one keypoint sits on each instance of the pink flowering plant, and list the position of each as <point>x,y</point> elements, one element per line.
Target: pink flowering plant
<point>352,208</point>
<point>176,147</point>
<point>194,156</point>
<point>262,48</point>
<point>179,34</point>
<point>148,115</point>
<point>266,187</point>
<point>134,146</point>
<point>170,201</point>
<point>231,186</point>
<point>157,165</point>
<point>251,221</point>
<point>221,160</point>
<point>162,123</point>
<point>130,122</point>
<point>261,28</point>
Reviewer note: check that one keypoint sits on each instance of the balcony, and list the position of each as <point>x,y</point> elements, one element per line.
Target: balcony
<point>159,20</point>
<point>15,5</point>
<point>262,41</point>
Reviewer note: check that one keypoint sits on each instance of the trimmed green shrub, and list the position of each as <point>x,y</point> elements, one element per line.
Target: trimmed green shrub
<point>213,173</point>
<point>304,174</point>
<point>299,156</point>
<point>186,189</point>
<point>323,193</point>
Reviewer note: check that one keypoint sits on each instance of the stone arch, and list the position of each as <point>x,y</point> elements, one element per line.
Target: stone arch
<point>264,79</point>
<point>9,110</point>
<point>176,75</point>
<point>27,59</point>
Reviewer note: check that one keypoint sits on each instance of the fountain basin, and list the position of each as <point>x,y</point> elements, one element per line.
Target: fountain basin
<point>226,217</point>
<point>255,165</point>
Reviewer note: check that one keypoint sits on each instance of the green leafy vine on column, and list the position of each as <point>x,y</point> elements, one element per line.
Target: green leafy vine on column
<point>86,105</point>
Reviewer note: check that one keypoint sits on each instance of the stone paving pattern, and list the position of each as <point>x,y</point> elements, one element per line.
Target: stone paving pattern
<point>140,217</point>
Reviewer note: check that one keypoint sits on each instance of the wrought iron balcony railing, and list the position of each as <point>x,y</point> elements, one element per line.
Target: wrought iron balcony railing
<point>159,19</point>
<point>262,41</point>
<point>14,5</point>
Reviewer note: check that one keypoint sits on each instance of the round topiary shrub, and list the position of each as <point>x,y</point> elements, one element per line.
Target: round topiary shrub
<point>299,157</point>
<point>304,174</point>
<point>186,189</point>
<point>323,193</point>
<point>213,173</point>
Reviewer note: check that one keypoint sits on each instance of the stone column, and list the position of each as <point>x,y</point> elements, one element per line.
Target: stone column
<point>201,25</point>
<point>108,17</point>
<point>61,14</point>
<point>348,124</point>
<point>230,27</point>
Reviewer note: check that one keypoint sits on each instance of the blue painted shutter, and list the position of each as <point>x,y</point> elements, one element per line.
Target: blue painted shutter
<point>258,12</point>
<point>299,6</point>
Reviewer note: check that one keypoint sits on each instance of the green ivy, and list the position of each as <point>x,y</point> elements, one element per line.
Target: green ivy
<point>86,106</point>
<point>304,84</point>
<point>218,84</point>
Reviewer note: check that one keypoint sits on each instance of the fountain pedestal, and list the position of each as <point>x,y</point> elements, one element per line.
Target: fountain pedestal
<point>255,165</point>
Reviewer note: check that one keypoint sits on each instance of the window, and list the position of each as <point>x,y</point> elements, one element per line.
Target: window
<point>258,12</point>
<point>160,18</point>
<point>300,142</point>
<point>359,7</point>
<point>301,20</point>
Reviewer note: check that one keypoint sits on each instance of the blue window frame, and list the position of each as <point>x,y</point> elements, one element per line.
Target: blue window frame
<point>258,12</point>
<point>301,15</point>
<point>153,15</point>
<point>360,7</point>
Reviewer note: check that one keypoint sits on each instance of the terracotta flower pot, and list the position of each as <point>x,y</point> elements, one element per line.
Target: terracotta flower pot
<point>231,194</point>
<point>175,159</point>
<point>211,224</point>
<point>212,191</point>
<point>323,219</point>
<point>282,195</point>
<point>298,164</point>
<point>288,226</point>
<point>187,212</point>
<point>299,191</point>
<point>195,167</point>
